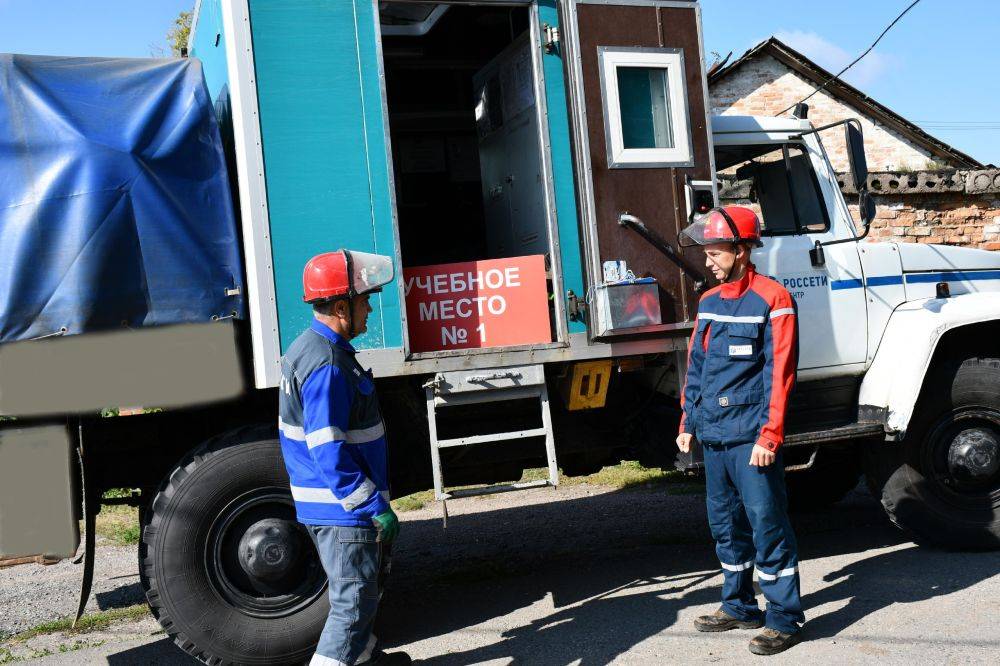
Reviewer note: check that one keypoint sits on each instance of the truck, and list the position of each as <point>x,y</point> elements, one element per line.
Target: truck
<point>528,165</point>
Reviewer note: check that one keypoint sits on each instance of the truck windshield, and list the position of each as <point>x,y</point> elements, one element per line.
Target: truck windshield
<point>778,182</point>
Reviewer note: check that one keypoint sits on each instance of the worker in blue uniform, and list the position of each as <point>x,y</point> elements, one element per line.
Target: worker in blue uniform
<point>334,447</point>
<point>741,370</point>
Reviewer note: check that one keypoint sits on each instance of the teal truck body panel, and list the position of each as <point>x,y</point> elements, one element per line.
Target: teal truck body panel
<point>562,164</point>
<point>325,144</point>
<point>210,45</point>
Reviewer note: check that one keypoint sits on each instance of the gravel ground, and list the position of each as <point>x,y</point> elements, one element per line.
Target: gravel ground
<point>589,575</point>
<point>31,593</point>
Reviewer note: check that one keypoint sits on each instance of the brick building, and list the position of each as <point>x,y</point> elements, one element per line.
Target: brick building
<point>771,77</point>
<point>926,191</point>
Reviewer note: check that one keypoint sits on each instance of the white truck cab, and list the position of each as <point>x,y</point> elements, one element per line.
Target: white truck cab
<point>898,346</point>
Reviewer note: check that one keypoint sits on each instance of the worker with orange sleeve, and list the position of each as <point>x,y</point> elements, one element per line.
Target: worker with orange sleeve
<point>741,370</point>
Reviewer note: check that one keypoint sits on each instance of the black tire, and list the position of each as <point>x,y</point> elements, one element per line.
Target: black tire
<point>921,487</point>
<point>189,556</point>
<point>835,473</point>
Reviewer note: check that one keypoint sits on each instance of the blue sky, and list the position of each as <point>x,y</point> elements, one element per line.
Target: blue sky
<point>936,67</point>
<point>932,67</point>
<point>133,28</point>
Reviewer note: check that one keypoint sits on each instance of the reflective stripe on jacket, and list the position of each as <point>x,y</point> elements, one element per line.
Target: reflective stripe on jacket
<point>331,432</point>
<point>741,363</point>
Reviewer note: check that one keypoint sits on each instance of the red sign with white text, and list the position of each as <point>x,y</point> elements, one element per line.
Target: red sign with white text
<point>473,304</point>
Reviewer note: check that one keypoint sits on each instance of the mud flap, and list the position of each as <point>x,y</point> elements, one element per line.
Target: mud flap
<point>37,491</point>
<point>91,507</point>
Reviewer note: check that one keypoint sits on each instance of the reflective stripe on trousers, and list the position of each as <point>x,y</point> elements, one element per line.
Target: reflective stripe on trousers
<point>747,513</point>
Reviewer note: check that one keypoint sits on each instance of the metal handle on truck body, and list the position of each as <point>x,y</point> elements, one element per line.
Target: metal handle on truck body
<point>657,241</point>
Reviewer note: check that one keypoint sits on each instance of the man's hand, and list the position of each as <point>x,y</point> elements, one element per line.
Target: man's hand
<point>761,457</point>
<point>387,526</point>
<point>684,441</point>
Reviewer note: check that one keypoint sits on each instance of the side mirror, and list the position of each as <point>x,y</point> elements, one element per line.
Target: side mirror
<point>866,205</point>
<point>856,155</point>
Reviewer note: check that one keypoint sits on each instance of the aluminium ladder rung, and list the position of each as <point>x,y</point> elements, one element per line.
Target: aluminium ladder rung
<point>494,437</point>
<point>494,395</point>
<point>500,488</point>
<point>465,387</point>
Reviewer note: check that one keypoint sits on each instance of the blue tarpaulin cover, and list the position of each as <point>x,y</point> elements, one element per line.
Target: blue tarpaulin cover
<point>115,207</point>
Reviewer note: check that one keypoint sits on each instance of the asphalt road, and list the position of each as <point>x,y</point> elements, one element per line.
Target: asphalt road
<point>585,575</point>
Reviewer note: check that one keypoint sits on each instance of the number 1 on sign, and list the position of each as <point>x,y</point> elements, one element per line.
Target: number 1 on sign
<point>482,332</point>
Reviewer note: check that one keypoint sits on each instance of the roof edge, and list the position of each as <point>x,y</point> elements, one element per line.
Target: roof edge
<point>851,96</point>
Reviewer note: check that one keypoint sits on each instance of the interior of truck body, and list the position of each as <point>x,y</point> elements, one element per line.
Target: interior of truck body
<point>468,165</point>
<point>465,141</point>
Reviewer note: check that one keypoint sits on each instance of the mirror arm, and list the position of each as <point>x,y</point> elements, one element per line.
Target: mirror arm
<point>863,235</point>
<point>848,121</point>
<point>861,193</point>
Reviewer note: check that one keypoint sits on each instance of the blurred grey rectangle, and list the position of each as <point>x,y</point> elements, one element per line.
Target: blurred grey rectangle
<point>37,492</point>
<point>167,366</point>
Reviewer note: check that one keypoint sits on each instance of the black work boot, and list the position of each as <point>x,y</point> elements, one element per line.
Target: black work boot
<point>720,620</point>
<point>770,641</point>
<point>380,658</point>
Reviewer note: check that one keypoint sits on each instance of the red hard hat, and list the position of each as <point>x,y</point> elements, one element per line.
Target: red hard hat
<point>732,224</point>
<point>344,274</point>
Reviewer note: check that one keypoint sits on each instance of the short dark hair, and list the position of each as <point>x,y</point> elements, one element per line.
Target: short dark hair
<point>325,308</point>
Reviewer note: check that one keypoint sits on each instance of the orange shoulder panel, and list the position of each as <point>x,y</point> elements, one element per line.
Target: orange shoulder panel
<point>771,291</point>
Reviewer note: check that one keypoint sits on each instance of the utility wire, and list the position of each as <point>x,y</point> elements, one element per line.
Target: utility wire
<point>855,61</point>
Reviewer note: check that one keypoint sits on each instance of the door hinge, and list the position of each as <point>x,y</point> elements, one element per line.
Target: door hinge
<point>575,309</point>
<point>551,36</point>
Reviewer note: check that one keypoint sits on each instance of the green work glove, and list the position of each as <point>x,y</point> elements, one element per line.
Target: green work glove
<point>387,525</point>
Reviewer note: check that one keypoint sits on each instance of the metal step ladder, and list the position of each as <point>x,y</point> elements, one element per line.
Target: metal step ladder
<point>466,387</point>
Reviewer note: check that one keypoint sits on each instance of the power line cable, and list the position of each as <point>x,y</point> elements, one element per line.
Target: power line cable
<point>855,61</point>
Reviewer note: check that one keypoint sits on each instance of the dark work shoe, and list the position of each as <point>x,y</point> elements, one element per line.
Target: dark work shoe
<point>389,659</point>
<point>720,620</point>
<point>771,641</point>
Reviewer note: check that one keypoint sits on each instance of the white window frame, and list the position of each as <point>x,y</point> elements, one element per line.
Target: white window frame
<point>610,58</point>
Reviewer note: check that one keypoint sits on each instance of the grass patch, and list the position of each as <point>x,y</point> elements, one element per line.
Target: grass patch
<point>413,502</point>
<point>29,653</point>
<point>87,623</point>
<point>626,474</point>
<point>79,645</point>
<point>119,524</point>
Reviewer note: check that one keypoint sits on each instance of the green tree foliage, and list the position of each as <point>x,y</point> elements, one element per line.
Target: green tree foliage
<point>178,35</point>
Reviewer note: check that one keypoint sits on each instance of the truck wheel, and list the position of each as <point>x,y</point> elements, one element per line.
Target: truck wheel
<point>834,474</point>
<point>227,570</point>
<point>943,481</point>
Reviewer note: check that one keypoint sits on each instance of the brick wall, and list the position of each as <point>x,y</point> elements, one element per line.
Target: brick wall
<point>763,87</point>
<point>945,207</point>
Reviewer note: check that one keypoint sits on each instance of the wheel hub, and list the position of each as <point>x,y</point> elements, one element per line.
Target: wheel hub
<point>269,549</point>
<point>259,559</point>
<point>974,455</point>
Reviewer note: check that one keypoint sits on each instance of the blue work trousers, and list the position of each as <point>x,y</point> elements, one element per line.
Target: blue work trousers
<point>351,559</point>
<point>748,516</point>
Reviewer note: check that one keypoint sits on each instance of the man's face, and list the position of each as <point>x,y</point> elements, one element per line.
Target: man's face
<point>360,307</point>
<point>720,258</point>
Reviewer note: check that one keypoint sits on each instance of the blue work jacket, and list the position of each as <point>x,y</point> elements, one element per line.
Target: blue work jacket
<point>741,363</point>
<point>331,431</point>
